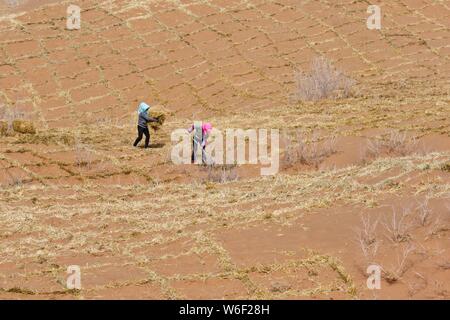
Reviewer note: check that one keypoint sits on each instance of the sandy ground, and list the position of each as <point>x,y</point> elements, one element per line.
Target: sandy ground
<point>77,193</point>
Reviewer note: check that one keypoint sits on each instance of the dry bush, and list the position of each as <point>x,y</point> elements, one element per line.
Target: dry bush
<point>424,213</point>
<point>398,226</point>
<point>400,144</point>
<point>373,149</point>
<point>396,144</point>
<point>395,273</point>
<point>324,81</point>
<point>366,238</point>
<point>221,173</point>
<point>436,227</point>
<point>312,153</point>
<point>83,157</point>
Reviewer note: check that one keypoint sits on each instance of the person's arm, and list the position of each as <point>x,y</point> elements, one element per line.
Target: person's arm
<point>149,119</point>
<point>191,129</point>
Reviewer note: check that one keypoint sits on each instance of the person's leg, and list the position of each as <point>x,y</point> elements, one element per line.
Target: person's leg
<point>139,138</point>
<point>194,151</point>
<point>204,156</point>
<point>147,137</point>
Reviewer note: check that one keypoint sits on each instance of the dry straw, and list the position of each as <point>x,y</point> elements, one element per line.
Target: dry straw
<point>159,113</point>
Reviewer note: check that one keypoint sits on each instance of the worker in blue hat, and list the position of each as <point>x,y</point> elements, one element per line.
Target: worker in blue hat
<point>142,127</point>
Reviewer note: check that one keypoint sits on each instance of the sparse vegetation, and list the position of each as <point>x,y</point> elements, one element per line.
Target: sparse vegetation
<point>437,226</point>
<point>398,226</point>
<point>397,271</point>
<point>394,144</point>
<point>221,173</point>
<point>323,82</point>
<point>305,152</point>
<point>424,213</point>
<point>83,156</point>
<point>77,192</point>
<point>367,238</point>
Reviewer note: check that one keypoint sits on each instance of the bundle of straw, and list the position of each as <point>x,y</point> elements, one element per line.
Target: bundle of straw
<point>3,128</point>
<point>159,113</point>
<point>23,126</point>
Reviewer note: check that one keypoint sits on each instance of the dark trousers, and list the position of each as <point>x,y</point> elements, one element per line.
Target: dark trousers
<point>142,131</point>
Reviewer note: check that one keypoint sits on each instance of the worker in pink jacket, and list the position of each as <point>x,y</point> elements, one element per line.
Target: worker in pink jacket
<point>201,133</point>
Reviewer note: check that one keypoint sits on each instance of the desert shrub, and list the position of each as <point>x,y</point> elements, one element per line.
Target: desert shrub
<point>221,173</point>
<point>402,264</point>
<point>312,153</point>
<point>437,226</point>
<point>400,144</point>
<point>83,157</point>
<point>439,222</point>
<point>324,81</point>
<point>398,226</point>
<point>396,144</point>
<point>367,239</point>
<point>424,212</point>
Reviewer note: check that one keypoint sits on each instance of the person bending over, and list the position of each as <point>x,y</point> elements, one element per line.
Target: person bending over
<point>199,140</point>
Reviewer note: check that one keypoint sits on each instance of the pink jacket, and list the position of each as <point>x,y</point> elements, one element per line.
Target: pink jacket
<point>206,128</point>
